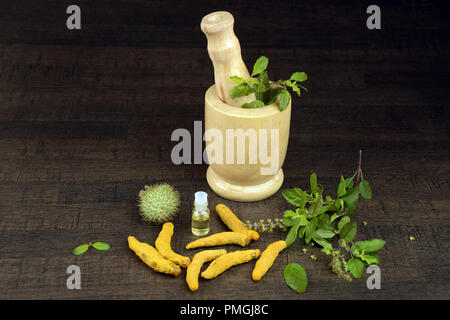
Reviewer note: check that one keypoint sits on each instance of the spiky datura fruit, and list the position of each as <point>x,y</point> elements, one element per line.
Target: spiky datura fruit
<point>158,203</point>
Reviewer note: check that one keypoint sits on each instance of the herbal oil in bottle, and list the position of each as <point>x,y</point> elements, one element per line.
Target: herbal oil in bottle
<point>200,214</point>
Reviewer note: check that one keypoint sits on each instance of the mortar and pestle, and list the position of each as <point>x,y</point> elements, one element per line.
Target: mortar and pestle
<point>247,180</point>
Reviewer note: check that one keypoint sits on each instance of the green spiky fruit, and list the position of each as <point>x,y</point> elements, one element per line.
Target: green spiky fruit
<point>158,203</point>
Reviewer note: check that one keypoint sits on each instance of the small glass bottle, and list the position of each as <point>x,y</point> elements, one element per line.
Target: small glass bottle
<point>200,214</point>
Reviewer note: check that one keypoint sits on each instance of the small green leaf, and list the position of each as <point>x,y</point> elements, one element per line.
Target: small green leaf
<point>341,188</point>
<point>288,214</point>
<point>237,79</point>
<point>348,231</point>
<point>254,81</point>
<point>284,100</point>
<point>310,229</point>
<point>295,196</point>
<point>296,90</point>
<point>349,182</point>
<point>326,234</point>
<point>295,277</point>
<point>370,245</point>
<point>313,182</point>
<point>324,222</point>
<point>371,258</point>
<point>351,199</point>
<point>241,91</point>
<point>303,87</point>
<point>303,220</point>
<point>299,76</point>
<point>254,104</point>
<point>321,241</point>
<point>292,234</point>
<point>356,267</point>
<point>365,190</point>
<point>270,95</point>
<point>80,249</point>
<point>101,245</point>
<point>343,222</point>
<point>264,79</point>
<point>260,65</point>
<point>334,216</point>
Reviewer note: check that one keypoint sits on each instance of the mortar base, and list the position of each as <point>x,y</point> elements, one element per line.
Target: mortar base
<point>244,193</point>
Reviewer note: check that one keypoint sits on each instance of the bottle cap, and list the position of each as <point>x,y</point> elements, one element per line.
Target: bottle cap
<point>201,197</point>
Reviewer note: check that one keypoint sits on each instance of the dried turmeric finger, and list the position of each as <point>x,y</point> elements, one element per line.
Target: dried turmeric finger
<point>219,239</point>
<point>152,258</point>
<point>267,259</point>
<point>228,260</point>
<point>233,223</point>
<point>162,244</point>
<point>193,270</point>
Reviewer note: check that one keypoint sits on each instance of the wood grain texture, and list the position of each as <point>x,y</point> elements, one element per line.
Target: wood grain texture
<point>86,118</point>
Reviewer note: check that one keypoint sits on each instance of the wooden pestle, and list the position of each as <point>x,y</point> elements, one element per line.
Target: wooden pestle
<point>225,53</point>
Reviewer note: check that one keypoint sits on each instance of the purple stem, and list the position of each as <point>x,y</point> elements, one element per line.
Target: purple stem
<point>359,168</point>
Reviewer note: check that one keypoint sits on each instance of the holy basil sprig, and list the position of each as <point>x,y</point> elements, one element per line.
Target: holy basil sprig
<point>84,247</point>
<point>320,220</point>
<point>267,92</point>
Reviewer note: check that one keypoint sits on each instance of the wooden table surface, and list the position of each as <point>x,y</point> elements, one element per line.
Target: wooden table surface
<point>86,118</point>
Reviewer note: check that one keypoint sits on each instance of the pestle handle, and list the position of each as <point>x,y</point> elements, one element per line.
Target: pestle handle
<point>225,53</point>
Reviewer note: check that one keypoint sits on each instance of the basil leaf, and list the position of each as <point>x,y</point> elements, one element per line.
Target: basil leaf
<point>343,222</point>
<point>296,90</point>
<point>365,190</point>
<point>324,222</point>
<point>349,182</point>
<point>254,104</point>
<point>301,232</point>
<point>350,200</point>
<point>325,233</point>
<point>241,91</point>
<point>295,197</point>
<point>370,245</point>
<point>254,81</point>
<point>284,100</point>
<point>237,79</point>
<point>80,249</point>
<point>341,188</point>
<point>260,65</point>
<point>348,231</point>
<point>292,234</point>
<point>321,241</point>
<point>334,216</point>
<point>370,258</point>
<point>295,277</point>
<point>299,76</point>
<point>264,79</point>
<point>269,96</point>
<point>310,229</point>
<point>101,245</point>
<point>303,220</point>
<point>356,267</point>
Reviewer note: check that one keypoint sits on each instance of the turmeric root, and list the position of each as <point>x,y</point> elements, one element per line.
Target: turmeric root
<point>193,270</point>
<point>228,260</point>
<point>267,259</point>
<point>162,244</point>
<point>233,223</point>
<point>219,239</point>
<point>152,258</point>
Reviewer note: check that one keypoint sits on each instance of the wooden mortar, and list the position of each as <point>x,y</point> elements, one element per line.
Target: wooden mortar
<point>239,181</point>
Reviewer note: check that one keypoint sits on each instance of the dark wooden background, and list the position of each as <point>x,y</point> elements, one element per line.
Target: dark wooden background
<point>86,118</point>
